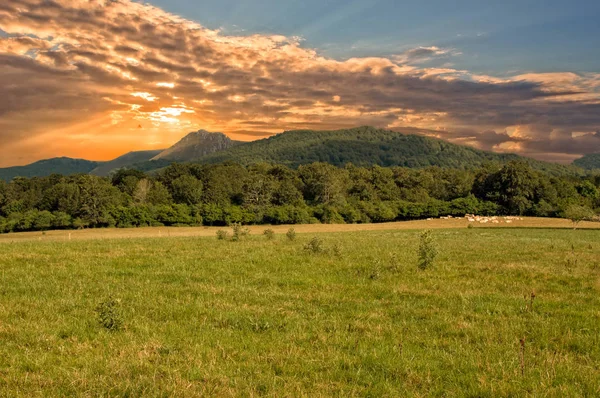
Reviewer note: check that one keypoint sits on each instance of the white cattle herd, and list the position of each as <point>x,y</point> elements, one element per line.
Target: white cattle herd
<point>485,220</point>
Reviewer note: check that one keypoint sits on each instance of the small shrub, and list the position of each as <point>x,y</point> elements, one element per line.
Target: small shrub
<point>108,314</point>
<point>222,235</point>
<point>379,267</point>
<point>427,250</point>
<point>337,250</point>
<point>269,234</point>
<point>470,226</point>
<point>239,232</point>
<point>291,234</point>
<point>375,274</point>
<point>529,298</point>
<point>314,246</point>
<point>394,264</point>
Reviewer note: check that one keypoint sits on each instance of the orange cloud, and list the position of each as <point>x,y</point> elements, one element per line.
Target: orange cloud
<point>80,76</point>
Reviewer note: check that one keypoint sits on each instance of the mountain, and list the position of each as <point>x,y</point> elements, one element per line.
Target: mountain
<point>362,146</point>
<point>196,145</point>
<point>127,160</point>
<point>42,168</point>
<point>589,162</point>
<point>366,146</point>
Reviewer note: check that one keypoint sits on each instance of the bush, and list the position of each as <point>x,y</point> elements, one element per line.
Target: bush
<point>234,215</point>
<point>108,314</point>
<point>427,250</point>
<point>314,246</point>
<point>331,216</point>
<point>239,232</point>
<point>78,223</point>
<point>43,220</point>
<point>212,214</point>
<point>61,220</point>
<point>173,214</point>
<point>384,213</point>
<point>222,235</point>
<point>196,212</point>
<point>291,234</point>
<point>337,249</point>
<point>351,214</point>
<point>286,215</point>
<point>269,234</point>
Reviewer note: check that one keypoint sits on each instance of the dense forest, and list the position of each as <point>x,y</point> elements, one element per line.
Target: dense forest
<point>220,194</point>
<point>367,146</point>
<point>589,162</point>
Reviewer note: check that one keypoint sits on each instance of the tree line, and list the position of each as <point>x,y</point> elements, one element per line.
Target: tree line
<point>222,194</point>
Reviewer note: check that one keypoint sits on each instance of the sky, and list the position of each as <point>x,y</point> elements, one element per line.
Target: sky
<point>97,78</point>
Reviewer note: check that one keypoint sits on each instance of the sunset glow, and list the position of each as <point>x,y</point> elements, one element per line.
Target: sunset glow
<point>95,79</point>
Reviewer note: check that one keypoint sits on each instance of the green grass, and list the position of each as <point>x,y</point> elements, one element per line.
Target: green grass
<point>259,317</point>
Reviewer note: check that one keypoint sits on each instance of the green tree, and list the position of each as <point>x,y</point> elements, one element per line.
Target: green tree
<point>513,187</point>
<point>172,172</point>
<point>141,191</point>
<point>3,189</point>
<point>382,180</point>
<point>187,190</point>
<point>98,196</point>
<point>577,214</point>
<point>286,192</point>
<point>158,194</point>
<point>288,186</point>
<point>64,197</point>
<point>43,220</point>
<point>127,179</point>
<point>61,220</point>
<point>360,186</point>
<point>223,184</point>
<point>589,192</point>
<point>324,183</point>
<point>258,190</point>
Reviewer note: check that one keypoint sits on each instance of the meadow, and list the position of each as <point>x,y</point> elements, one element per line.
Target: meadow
<point>503,312</point>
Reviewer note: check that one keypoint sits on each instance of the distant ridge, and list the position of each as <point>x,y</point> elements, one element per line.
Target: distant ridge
<point>43,168</point>
<point>127,160</point>
<point>589,162</point>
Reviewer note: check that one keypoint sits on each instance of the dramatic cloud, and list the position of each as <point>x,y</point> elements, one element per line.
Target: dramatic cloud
<point>80,77</point>
<point>421,54</point>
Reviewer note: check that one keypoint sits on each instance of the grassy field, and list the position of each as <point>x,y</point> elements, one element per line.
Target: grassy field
<point>202,317</point>
<point>165,232</point>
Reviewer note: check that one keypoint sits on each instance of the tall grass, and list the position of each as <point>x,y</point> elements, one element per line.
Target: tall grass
<point>264,318</point>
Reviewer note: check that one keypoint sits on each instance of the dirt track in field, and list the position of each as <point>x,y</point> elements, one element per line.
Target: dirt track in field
<point>156,232</point>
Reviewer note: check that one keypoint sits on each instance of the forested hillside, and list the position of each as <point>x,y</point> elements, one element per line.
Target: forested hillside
<point>589,162</point>
<point>362,146</point>
<point>367,146</point>
<point>64,166</point>
<point>221,194</point>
